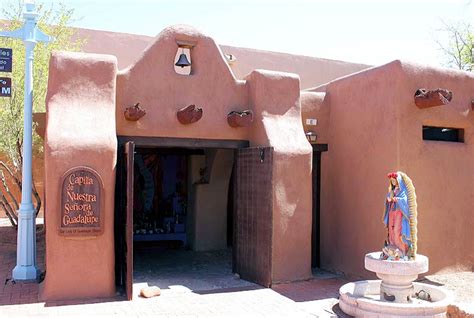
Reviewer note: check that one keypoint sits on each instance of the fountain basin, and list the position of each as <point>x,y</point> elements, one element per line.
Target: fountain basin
<point>373,263</point>
<point>362,299</point>
<point>397,276</point>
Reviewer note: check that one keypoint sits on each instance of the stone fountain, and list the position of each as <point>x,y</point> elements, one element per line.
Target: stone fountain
<point>397,265</point>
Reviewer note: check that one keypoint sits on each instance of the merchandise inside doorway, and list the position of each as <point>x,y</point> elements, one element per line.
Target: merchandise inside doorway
<point>160,198</point>
<point>180,217</point>
<point>176,215</point>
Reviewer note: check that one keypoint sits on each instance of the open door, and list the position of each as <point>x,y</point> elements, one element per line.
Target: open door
<point>129,164</point>
<point>253,219</point>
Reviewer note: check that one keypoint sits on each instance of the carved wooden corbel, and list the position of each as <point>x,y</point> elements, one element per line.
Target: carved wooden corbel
<point>134,113</point>
<point>189,114</point>
<point>425,98</point>
<point>240,118</point>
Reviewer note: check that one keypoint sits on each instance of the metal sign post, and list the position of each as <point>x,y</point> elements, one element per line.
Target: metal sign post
<point>26,268</point>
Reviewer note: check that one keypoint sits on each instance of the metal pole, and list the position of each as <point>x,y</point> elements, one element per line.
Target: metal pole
<point>26,268</point>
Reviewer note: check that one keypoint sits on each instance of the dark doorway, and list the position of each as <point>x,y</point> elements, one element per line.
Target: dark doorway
<point>160,189</point>
<point>316,211</point>
<point>123,219</point>
<point>230,209</point>
<point>132,189</point>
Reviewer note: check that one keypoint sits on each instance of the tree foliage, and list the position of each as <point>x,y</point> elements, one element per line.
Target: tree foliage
<point>457,45</point>
<point>55,21</point>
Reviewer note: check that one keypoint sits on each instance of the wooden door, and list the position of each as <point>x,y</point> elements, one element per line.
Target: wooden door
<point>129,164</point>
<point>253,219</point>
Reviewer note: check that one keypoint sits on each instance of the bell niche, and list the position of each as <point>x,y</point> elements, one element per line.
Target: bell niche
<point>182,59</point>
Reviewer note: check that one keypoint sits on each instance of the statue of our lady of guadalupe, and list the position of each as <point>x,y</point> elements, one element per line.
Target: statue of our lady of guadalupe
<point>400,218</point>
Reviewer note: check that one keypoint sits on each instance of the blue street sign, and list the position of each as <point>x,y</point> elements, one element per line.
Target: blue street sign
<point>5,87</point>
<point>6,56</point>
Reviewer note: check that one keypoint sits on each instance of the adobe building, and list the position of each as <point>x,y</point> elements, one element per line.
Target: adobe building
<point>290,179</point>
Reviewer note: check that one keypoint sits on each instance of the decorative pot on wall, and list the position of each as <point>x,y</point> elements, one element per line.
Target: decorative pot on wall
<point>189,114</point>
<point>425,98</point>
<point>134,113</point>
<point>240,118</point>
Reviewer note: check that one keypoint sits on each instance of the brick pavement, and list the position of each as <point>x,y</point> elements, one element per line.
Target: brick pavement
<point>303,299</point>
<point>20,292</point>
<point>262,302</point>
<point>313,298</point>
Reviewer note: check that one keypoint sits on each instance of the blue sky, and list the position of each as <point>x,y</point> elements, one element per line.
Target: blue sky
<point>371,32</point>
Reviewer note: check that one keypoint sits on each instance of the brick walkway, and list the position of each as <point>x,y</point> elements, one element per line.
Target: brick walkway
<point>10,292</point>
<point>313,298</point>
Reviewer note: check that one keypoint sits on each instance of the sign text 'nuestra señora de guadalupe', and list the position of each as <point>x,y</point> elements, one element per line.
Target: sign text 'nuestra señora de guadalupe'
<point>81,203</point>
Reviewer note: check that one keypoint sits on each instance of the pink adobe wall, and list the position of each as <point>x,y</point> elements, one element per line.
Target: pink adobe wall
<point>80,131</point>
<point>376,128</point>
<point>368,119</point>
<point>153,82</point>
<point>85,105</point>
<point>313,71</point>
<point>125,46</point>
<point>443,170</point>
<point>275,97</point>
<point>314,106</point>
<point>209,215</point>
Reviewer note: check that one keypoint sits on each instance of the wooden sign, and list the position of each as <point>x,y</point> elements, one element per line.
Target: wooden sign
<point>81,203</point>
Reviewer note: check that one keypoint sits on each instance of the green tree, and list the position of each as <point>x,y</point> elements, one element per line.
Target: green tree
<point>457,44</point>
<point>55,21</point>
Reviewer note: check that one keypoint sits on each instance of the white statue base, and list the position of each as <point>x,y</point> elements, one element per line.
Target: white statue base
<point>395,295</point>
<point>397,276</point>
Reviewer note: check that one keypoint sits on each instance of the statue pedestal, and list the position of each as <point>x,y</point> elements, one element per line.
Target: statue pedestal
<point>397,276</point>
<point>394,295</point>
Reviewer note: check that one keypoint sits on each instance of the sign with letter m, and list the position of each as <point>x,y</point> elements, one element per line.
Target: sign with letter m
<point>5,87</point>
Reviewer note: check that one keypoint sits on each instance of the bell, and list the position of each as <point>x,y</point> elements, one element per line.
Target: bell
<point>183,61</point>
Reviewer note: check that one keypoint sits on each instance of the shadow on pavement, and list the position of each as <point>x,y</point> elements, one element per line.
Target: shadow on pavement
<point>314,289</point>
<point>59,303</point>
<point>228,290</point>
<point>338,311</point>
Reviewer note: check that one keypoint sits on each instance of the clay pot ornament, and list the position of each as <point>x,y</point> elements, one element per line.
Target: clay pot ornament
<point>189,114</point>
<point>134,113</point>
<point>240,118</point>
<point>425,98</point>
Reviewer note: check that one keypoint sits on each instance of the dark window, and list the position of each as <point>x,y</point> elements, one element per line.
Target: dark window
<point>443,134</point>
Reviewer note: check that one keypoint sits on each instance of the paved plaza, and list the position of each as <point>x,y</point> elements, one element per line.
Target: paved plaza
<point>206,287</point>
<point>202,285</point>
